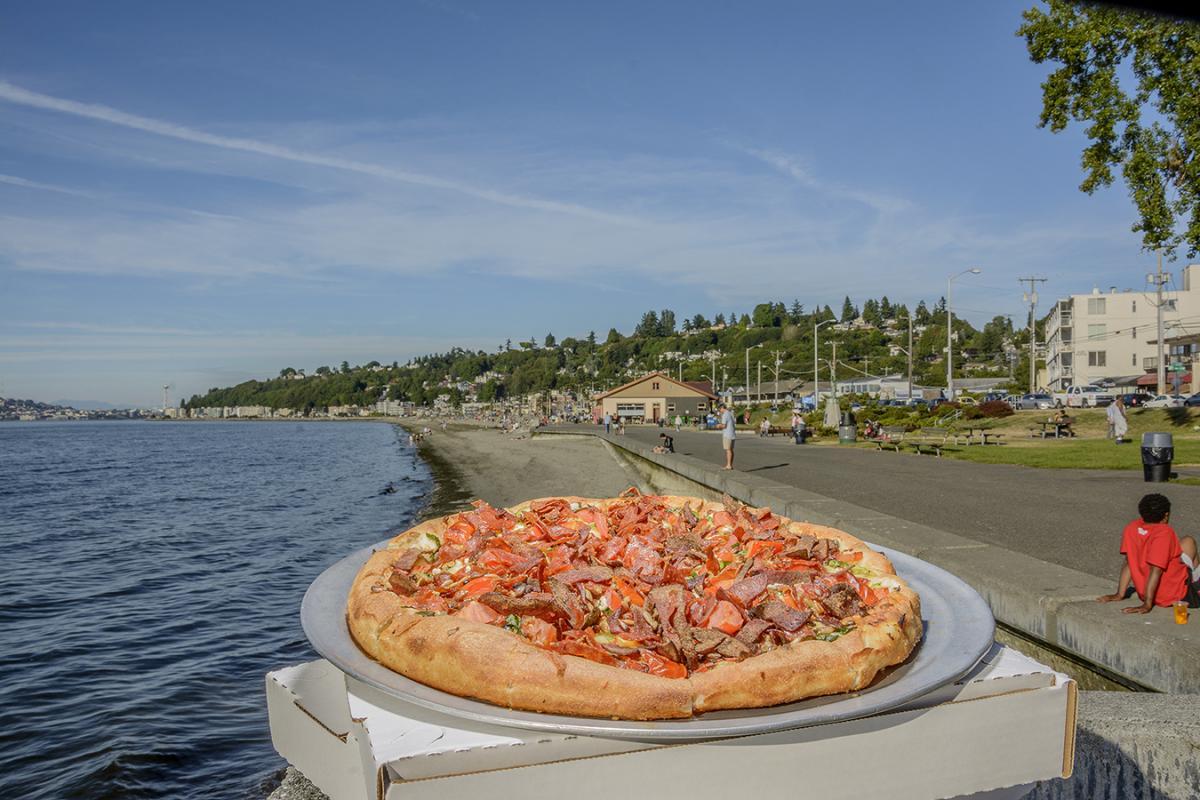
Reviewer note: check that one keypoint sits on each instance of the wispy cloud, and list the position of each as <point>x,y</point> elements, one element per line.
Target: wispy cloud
<point>13,180</point>
<point>102,113</point>
<point>794,168</point>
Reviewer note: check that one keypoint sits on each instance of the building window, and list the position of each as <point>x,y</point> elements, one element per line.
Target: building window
<point>1066,359</point>
<point>1097,358</point>
<point>1134,308</point>
<point>1133,362</point>
<point>1133,331</point>
<point>655,386</point>
<point>670,407</point>
<point>1096,305</point>
<point>701,407</point>
<point>1170,305</point>
<point>1097,331</point>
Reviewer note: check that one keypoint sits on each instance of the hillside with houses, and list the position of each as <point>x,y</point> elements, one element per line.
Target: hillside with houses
<point>772,346</point>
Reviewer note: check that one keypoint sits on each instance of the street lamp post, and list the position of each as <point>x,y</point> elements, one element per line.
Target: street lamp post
<point>748,349</point>
<point>950,331</point>
<point>909,353</point>
<point>816,368</point>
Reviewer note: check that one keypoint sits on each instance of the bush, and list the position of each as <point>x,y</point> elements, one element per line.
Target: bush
<point>994,409</point>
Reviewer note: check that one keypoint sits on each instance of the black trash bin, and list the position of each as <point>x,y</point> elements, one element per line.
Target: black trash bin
<point>1158,451</point>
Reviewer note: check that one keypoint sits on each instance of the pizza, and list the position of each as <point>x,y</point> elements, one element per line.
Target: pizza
<point>635,607</point>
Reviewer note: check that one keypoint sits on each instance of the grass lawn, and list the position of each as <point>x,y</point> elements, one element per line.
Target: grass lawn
<point>1090,449</point>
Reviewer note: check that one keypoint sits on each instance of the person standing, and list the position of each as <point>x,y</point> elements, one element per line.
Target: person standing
<point>678,423</point>
<point>728,434</point>
<point>1117,423</point>
<point>607,422</point>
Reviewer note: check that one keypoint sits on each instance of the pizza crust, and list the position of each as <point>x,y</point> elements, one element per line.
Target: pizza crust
<point>471,659</point>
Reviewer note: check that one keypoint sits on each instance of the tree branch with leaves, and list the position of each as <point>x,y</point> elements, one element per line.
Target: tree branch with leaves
<point>1149,130</point>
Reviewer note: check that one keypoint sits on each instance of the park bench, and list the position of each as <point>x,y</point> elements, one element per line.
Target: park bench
<point>777,429</point>
<point>890,436</point>
<point>933,438</point>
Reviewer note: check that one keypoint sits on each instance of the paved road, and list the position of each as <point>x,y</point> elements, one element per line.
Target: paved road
<point>1068,517</point>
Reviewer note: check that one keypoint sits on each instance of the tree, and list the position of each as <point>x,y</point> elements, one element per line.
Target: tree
<point>666,322</point>
<point>287,372</point>
<point>591,340</point>
<point>766,315</point>
<point>848,311</point>
<point>614,337</point>
<point>323,371</point>
<point>699,322</point>
<point>550,341</point>
<point>648,327</point>
<point>885,308</point>
<point>922,316</point>
<point>871,313</point>
<point>508,344</point>
<point>345,367</point>
<point>744,321</point>
<point>797,313</point>
<point>720,320</point>
<point>1153,134</point>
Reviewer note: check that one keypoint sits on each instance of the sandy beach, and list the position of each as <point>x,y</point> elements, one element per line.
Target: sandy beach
<point>502,468</point>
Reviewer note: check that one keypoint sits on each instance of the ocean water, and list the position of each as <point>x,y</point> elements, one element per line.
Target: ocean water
<point>151,573</point>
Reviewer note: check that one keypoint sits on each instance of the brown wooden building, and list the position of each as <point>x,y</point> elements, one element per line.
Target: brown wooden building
<point>656,396</point>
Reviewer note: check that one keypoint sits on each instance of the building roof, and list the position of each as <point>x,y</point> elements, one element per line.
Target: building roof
<point>663,376</point>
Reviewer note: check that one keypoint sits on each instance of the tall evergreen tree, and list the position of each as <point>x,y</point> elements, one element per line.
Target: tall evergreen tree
<point>848,312</point>
<point>666,322</point>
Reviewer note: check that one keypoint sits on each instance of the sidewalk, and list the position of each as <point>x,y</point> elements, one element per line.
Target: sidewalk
<point>1007,531</point>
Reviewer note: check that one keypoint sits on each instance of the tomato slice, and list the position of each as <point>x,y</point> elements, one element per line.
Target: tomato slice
<point>725,618</point>
<point>477,612</point>
<point>759,546</point>
<point>539,631</point>
<point>614,598</point>
<point>496,560</point>
<point>658,665</point>
<point>628,591</point>
<point>478,586</point>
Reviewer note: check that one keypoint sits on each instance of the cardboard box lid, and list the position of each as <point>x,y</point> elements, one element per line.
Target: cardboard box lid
<point>414,742</point>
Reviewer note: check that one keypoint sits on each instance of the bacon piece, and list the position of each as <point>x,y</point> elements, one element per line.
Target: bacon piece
<point>779,613</point>
<point>668,604</point>
<point>685,543</point>
<point>743,592</point>
<point>843,601</point>
<point>406,559</point>
<point>402,584</point>
<point>752,630</point>
<point>597,573</point>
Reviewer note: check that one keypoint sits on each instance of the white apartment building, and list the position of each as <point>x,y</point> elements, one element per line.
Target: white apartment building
<point>1112,334</point>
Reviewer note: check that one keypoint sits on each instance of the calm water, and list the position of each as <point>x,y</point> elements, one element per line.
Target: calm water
<point>151,574</point>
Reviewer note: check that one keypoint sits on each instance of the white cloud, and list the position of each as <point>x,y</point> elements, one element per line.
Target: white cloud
<point>102,113</point>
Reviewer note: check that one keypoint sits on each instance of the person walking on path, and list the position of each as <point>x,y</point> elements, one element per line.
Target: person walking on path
<point>607,422</point>
<point>728,434</point>
<point>1118,425</point>
<point>678,423</point>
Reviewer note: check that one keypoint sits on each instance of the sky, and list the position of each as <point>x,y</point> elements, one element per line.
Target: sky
<point>194,194</point>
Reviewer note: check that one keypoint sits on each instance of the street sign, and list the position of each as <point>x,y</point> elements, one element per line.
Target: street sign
<point>1175,368</point>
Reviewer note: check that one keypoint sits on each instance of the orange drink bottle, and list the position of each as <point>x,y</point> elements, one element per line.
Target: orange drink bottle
<point>1181,613</point>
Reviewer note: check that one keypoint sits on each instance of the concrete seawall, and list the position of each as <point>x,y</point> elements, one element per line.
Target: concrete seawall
<point>1048,602</point>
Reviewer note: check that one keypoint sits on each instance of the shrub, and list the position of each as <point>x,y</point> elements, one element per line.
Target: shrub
<point>995,409</point>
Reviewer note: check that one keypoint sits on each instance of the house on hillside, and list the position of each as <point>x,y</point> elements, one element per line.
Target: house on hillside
<point>656,396</point>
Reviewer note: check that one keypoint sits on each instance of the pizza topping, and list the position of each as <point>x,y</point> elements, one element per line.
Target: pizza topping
<point>636,583</point>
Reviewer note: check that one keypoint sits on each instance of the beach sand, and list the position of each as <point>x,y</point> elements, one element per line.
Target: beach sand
<point>504,469</point>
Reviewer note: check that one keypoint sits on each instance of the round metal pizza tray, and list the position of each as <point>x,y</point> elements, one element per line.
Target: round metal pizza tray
<point>959,630</point>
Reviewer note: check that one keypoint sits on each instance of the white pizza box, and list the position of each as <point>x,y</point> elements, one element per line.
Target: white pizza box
<point>1010,722</point>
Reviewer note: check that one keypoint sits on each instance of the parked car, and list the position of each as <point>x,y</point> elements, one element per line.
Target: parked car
<point>1136,399</point>
<point>1033,400</point>
<point>1194,400</point>
<point>1167,401</point>
<point>1084,397</point>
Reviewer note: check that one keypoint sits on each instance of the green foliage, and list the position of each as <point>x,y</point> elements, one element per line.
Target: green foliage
<point>1151,132</point>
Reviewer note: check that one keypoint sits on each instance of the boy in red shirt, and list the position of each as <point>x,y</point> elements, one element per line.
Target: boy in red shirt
<point>1162,567</point>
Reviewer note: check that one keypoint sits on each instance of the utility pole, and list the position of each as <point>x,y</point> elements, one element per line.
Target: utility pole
<point>833,373</point>
<point>1032,298</point>
<point>713,361</point>
<point>910,359</point>
<point>758,391</point>
<point>1159,280</point>
<point>778,361</point>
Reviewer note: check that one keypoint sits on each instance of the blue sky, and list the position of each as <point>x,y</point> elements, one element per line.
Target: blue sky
<point>200,193</point>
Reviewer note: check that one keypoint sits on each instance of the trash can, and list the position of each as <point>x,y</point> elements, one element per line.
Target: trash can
<point>1158,451</point>
<point>847,434</point>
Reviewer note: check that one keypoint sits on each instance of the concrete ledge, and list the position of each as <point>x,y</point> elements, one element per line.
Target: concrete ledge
<point>1132,746</point>
<point>1048,602</point>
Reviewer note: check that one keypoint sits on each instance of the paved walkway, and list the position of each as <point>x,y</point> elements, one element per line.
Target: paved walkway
<point>1072,518</point>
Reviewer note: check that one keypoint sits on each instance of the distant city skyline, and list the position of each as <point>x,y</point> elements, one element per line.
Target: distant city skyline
<point>199,194</point>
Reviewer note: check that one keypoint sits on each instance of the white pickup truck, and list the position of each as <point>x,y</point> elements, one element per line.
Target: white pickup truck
<point>1084,397</point>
